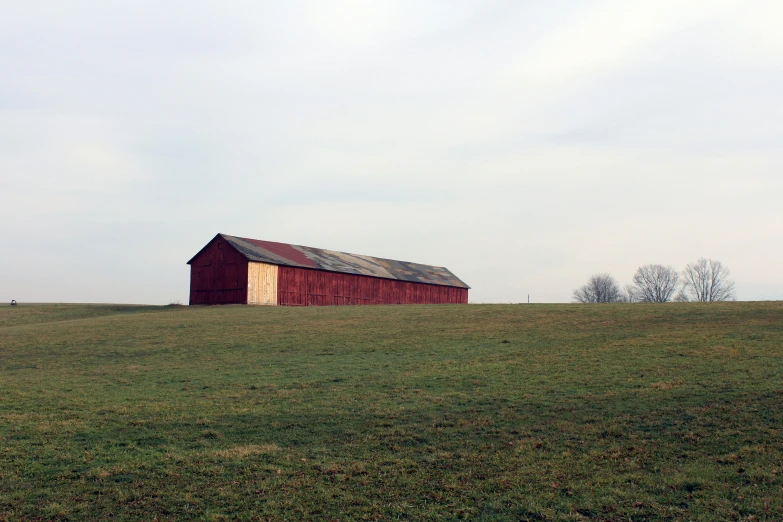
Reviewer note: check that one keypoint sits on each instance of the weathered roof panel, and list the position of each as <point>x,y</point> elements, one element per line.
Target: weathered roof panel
<point>332,261</point>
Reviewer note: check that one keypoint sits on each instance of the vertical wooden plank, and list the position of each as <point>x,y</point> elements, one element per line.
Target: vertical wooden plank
<point>262,280</point>
<point>217,275</point>
<point>302,287</point>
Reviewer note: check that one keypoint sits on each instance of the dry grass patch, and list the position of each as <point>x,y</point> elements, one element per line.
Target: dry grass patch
<point>59,426</point>
<point>241,452</point>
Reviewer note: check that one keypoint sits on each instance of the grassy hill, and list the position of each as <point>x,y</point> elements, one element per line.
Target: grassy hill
<point>517,412</point>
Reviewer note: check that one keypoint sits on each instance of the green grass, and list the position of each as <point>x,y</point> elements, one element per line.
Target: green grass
<point>487,412</point>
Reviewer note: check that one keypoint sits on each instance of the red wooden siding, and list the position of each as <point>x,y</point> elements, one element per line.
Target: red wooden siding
<point>306,287</point>
<point>218,275</point>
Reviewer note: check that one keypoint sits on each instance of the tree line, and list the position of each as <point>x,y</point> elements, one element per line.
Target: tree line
<point>705,280</point>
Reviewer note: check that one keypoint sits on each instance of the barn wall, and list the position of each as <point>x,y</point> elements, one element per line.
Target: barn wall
<point>306,287</point>
<point>218,275</point>
<point>261,284</point>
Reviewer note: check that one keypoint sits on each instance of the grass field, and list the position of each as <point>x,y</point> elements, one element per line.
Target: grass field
<point>493,412</point>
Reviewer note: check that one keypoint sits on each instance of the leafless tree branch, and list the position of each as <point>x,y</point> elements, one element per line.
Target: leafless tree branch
<point>655,283</point>
<point>600,288</point>
<point>707,281</point>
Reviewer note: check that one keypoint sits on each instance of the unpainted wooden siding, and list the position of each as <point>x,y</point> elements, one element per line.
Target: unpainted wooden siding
<point>307,287</point>
<point>261,284</point>
<point>218,275</point>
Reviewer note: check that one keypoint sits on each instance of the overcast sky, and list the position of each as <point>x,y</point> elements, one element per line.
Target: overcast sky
<point>524,145</point>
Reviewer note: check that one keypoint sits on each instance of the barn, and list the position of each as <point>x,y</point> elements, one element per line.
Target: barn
<point>236,270</point>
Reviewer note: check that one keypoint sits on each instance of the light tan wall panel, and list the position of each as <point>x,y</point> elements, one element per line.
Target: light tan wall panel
<point>261,284</point>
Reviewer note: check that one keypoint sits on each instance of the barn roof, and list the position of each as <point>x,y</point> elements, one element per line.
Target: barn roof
<point>332,261</point>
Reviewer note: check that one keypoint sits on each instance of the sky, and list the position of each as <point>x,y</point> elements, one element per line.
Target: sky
<point>524,145</point>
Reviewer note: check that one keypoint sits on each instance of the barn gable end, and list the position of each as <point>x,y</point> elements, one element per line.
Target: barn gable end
<point>218,274</point>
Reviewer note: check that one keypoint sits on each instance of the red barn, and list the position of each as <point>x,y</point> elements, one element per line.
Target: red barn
<point>235,270</point>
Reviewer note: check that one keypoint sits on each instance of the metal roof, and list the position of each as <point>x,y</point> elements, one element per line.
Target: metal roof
<point>332,261</point>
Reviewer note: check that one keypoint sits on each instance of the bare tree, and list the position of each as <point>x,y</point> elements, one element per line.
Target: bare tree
<point>600,288</point>
<point>630,294</point>
<point>707,280</point>
<point>655,283</point>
